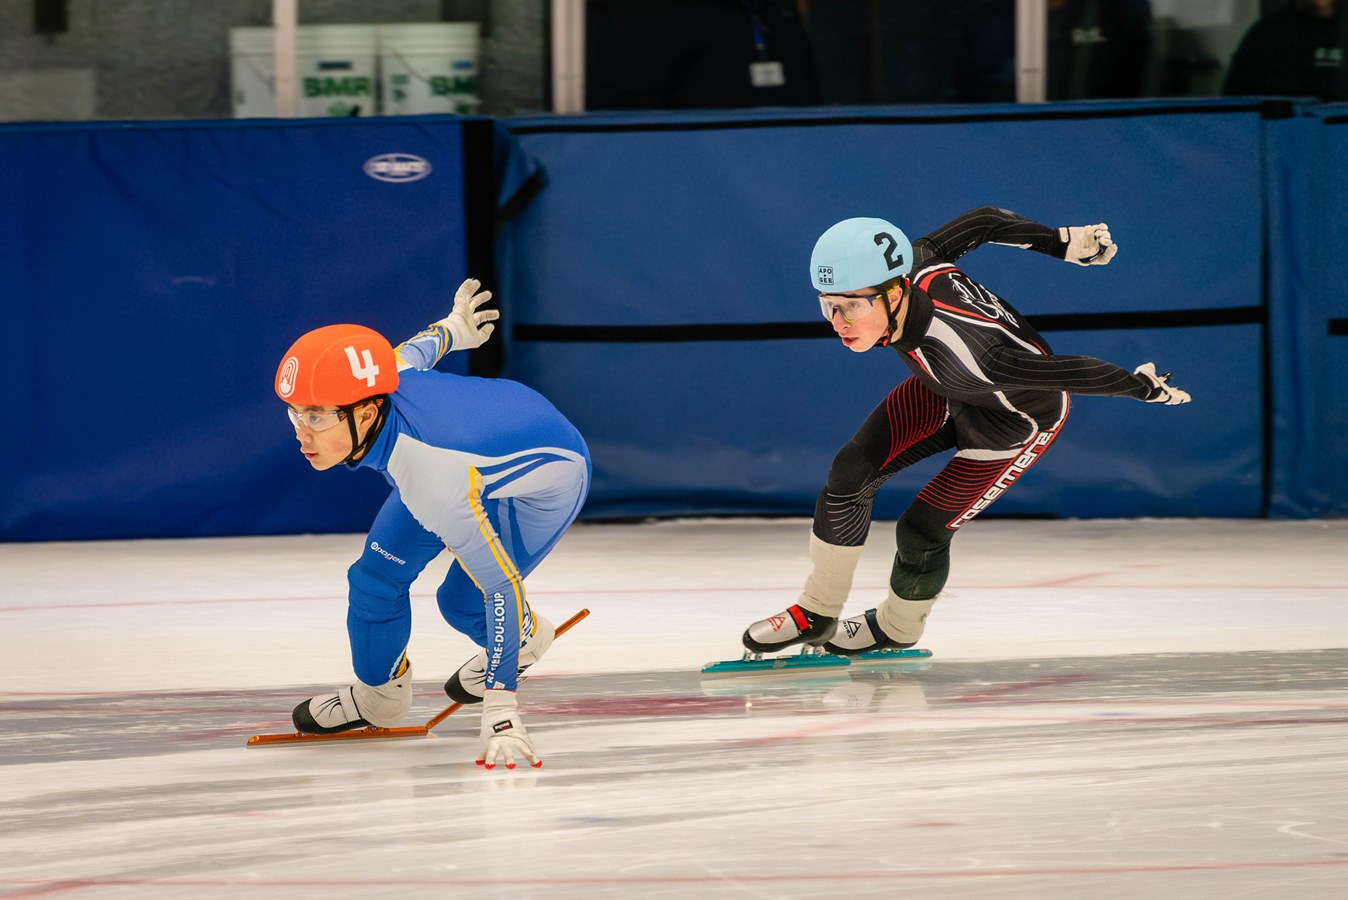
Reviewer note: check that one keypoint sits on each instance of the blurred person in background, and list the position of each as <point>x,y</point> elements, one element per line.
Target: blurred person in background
<point>1097,49</point>
<point>1294,51</point>
<point>697,54</point>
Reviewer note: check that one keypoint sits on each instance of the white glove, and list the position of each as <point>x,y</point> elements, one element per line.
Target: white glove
<point>1161,392</point>
<point>1088,245</point>
<point>503,733</point>
<point>466,326</point>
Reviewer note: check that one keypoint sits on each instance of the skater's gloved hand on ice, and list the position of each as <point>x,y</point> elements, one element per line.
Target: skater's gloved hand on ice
<point>468,328</point>
<point>1087,245</point>
<point>503,733</point>
<point>1161,390</point>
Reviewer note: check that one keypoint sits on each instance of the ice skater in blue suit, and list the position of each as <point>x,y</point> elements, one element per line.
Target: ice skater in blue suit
<point>487,468</point>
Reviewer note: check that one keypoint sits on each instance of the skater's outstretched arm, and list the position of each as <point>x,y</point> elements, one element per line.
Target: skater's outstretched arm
<point>1011,367</point>
<point>465,328</point>
<point>1086,245</point>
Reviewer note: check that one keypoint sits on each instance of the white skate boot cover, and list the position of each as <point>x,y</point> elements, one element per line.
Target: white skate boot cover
<point>358,705</point>
<point>472,675</point>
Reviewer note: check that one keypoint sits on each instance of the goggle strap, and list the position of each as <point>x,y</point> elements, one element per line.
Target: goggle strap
<point>358,447</point>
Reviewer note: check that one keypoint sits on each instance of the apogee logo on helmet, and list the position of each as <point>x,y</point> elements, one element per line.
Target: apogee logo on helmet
<point>825,274</point>
<point>285,385</point>
<point>397,168</point>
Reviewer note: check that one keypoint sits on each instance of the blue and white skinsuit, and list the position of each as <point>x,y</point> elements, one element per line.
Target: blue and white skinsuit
<point>485,467</point>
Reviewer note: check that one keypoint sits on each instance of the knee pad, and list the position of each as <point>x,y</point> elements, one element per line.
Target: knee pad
<point>373,595</point>
<point>921,564</point>
<point>842,513</point>
<point>851,471</point>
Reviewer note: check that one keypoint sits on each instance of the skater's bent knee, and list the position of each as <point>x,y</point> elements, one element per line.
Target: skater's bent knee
<point>916,532</point>
<point>912,584</point>
<point>373,594</point>
<point>852,470</point>
<point>921,564</point>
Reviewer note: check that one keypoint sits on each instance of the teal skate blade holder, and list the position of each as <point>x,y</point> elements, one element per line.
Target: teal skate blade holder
<point>776,664</point>
<point>808,660</point>
<point>884,656</point>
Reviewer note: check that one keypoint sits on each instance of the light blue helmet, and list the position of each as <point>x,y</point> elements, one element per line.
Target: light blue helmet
<point>859,253</point>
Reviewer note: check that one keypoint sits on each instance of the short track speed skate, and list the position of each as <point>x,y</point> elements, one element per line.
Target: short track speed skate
<point>861,639</point>
<point>798,626</point>
<point>879,657</point>
<point>375,733</point>
<point>793,626</point>
<point>813,659</point>
<point>809,658</point>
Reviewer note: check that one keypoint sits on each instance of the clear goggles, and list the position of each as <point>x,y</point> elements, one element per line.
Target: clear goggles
<point>852,308</point>
<point>314,419</point>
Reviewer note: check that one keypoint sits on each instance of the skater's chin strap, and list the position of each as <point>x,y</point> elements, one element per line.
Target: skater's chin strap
<point>359,447</point>
<point>892,332</point>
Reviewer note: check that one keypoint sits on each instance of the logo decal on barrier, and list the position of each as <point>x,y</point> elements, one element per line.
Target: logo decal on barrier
<point>397,168</point>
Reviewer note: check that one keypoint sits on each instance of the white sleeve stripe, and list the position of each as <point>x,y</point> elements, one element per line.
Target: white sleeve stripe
<point>942,333</point>
<point>989,454</point>
<point>995,326</point>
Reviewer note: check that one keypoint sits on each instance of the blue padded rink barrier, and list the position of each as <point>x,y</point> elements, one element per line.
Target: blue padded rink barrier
<point>1115,709</point>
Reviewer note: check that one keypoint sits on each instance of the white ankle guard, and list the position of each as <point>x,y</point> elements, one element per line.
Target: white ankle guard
<point>830,579</point>
<point>903,620</point>
<point>386,704</point>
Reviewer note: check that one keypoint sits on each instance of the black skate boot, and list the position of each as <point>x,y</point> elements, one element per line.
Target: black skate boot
<point>861,634</point>
<point>793,626</point>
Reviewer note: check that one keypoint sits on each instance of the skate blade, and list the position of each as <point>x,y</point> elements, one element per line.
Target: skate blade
<point>373,733</point>
<point>777,664</point>
<point>911,655</point>
<point>360,734</point>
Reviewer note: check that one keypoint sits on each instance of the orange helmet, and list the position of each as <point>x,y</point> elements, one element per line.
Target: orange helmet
<point>337,365</point>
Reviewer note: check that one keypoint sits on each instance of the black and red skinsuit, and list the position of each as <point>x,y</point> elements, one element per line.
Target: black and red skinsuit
<point>984,384</point>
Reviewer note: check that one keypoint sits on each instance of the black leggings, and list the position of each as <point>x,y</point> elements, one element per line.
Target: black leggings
<point>911,424</point>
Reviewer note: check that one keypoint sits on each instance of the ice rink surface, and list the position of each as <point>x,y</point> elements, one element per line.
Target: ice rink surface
<point>1141,709</point>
